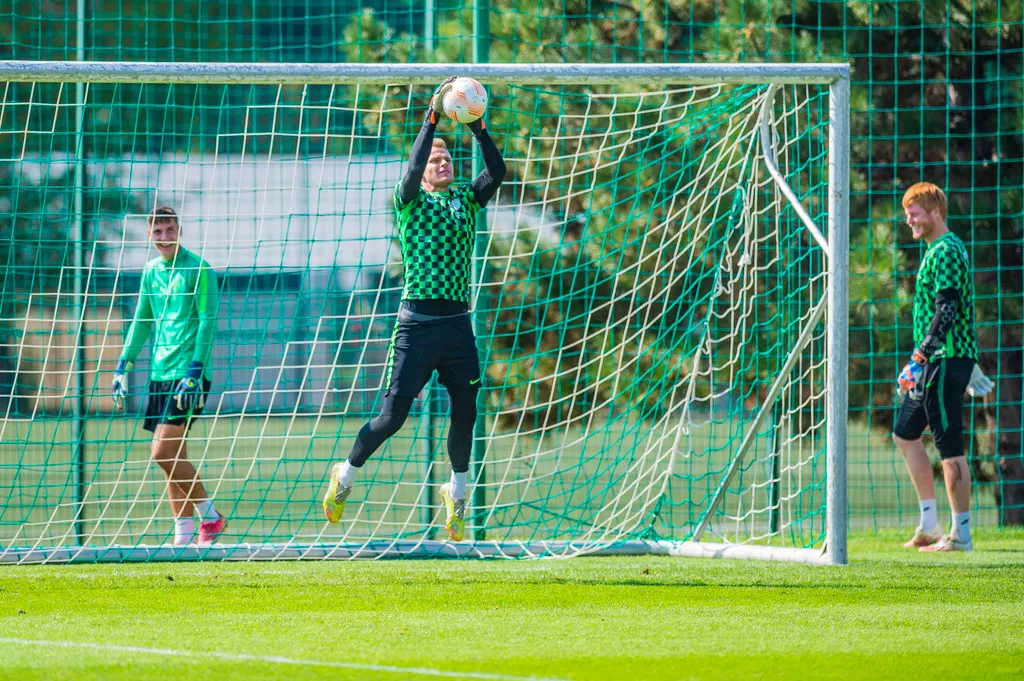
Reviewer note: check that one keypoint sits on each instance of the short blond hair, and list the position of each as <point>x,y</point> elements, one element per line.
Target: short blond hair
<point>926,195</point>
<point>438,142</point>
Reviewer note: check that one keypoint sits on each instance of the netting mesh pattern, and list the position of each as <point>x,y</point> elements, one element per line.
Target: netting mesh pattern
<point>641,282</point>
<point>938,95</point>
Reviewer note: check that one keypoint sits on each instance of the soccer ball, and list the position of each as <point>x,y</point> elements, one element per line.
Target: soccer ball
<point>465,101</point>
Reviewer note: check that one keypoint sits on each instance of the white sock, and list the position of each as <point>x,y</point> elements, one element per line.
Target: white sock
<point>458,485</point>
<point>347,474</point>
<point>184,529</point>
<point>206,511</point>
<point>961,526</point>
<point>929,514</point>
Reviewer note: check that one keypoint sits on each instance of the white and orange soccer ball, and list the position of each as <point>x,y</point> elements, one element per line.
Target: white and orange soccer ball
<point>465,101</point>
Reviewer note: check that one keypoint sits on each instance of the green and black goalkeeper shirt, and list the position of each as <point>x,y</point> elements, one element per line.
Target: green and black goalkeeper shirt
<point>946,266</point>
<point>436,231</point>
<point>178,304</point>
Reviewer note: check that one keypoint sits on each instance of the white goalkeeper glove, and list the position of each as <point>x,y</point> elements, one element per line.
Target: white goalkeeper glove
<point>119,389</point>
<point>980,384</point>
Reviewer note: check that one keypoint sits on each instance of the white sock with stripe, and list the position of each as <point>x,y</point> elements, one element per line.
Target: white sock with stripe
<point>347,474</point>
<point>961,530</point>
<point>207,512</point>
<point>184,530</point>
<point>929,514</point>
<point>458,485</point>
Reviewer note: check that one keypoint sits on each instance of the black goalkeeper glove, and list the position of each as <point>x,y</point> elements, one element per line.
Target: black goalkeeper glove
<point>437,100</point>
<point>476,127</point>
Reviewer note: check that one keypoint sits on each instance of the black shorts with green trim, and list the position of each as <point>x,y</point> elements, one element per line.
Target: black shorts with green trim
<point>418,348</point>
<point>939,406</point>
<point>161,406</point>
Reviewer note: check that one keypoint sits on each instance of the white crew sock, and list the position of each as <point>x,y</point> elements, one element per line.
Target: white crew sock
<point>347,474</point>
<point>184,529</point>
<point>961,526</point>
<point>929,514</point>
<point>458,485</point>
<point>207,512</point>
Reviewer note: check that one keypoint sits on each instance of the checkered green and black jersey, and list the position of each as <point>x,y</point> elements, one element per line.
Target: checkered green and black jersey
<point>436,231</point>
<point>946,266</point>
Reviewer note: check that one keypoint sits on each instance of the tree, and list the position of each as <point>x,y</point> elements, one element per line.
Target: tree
<point>942,101</point>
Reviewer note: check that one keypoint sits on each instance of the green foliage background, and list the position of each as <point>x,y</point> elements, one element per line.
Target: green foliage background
<point>938,95</point>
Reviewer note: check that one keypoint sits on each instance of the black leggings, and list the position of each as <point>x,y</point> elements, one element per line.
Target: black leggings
<point>396,410</point>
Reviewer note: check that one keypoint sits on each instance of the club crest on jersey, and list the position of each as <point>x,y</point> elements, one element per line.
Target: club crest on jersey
<point>456,207</point>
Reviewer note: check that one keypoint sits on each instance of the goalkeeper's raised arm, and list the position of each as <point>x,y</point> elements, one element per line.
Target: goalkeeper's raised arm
<point>484,187</point>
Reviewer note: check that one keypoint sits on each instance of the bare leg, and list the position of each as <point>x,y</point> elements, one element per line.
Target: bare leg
<point>183,484</point>
<point>919,467</point>
<point>958,483</point>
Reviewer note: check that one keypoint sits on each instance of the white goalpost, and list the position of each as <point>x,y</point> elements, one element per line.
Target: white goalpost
<point>660,300</point>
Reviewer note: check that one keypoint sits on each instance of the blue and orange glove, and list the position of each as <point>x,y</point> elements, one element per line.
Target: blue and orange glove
<point>119,389</point>
<point>189,392</point>
<point>437,100</point>
<point>911,374</point>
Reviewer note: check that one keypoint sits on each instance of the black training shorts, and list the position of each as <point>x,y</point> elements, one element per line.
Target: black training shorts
<point>446,345</point>
<point>161,406</point>
<point>940,407</point>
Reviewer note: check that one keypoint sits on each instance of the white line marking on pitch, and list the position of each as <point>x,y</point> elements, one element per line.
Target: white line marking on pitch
<point>241,657</point>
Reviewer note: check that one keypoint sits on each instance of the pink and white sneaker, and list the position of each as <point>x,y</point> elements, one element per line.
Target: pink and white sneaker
<point>210,530</point>
<point>924,537</point>
<point>948,544</point>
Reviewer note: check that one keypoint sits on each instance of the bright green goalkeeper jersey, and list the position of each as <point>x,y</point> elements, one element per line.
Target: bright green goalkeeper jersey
<point>435,232</point>
<point>178,302</point>
<point>946,266</point>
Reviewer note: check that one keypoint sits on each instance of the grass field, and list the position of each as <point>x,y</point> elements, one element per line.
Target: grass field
<point>891,614</point>
<point>267,475</point>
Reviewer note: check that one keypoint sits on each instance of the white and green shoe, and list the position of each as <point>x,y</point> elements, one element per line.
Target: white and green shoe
<point>456,521</point>
<point>334,500</point>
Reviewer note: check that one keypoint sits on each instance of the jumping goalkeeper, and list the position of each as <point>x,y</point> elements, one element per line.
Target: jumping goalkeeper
<point>178,303</point>
<point>436,225</point>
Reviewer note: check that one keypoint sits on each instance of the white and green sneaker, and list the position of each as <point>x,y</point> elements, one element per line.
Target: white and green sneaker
<point>334,500</point>
<point>948,544</point>
<point>455,523</point>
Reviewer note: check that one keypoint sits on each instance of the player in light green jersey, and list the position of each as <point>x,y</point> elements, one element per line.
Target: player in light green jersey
<point>178,307</point>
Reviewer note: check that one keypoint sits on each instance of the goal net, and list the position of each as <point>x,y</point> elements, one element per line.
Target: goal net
<point>659,297</point>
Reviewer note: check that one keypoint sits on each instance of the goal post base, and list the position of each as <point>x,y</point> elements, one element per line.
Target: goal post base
<point>407,549</point>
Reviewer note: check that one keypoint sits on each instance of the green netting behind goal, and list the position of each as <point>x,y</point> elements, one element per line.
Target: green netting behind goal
<point>641,281</point>
<point>937,94</point>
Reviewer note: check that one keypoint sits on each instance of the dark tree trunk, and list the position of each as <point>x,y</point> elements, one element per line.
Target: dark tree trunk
<point>1009,457</point>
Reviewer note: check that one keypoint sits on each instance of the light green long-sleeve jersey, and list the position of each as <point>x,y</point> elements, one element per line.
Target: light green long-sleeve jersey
<point>179,298</point>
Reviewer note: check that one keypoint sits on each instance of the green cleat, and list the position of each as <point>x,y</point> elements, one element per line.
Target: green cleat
<point>334,500</point>
<point>455,524</point>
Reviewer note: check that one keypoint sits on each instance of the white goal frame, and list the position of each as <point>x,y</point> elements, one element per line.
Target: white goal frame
<point>833,241</point>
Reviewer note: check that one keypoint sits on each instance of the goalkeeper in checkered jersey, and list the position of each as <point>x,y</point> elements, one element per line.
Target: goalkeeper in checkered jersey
<point>436,225</point>
<point>942,367</point>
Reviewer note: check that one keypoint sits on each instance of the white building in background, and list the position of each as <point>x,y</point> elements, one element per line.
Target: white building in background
<point>274,215</point>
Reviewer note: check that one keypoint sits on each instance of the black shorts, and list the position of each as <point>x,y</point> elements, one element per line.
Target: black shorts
<point>162,408</point>
<point>417,349</point>
<point>940,407</point>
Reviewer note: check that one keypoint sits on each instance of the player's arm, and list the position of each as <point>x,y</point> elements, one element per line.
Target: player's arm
<point>485,186</point>
<point>947,301</point>
<point>206,301</point>
<point>410,184</point>
<point>138,334</point>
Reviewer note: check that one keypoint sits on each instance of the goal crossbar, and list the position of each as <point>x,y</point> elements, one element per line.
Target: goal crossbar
<point>419,74</point>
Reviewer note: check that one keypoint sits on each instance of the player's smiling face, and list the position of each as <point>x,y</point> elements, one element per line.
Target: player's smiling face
<point>164,235</point>
<point>921,221</point>
<point>439,172</point>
